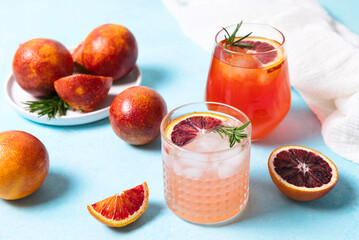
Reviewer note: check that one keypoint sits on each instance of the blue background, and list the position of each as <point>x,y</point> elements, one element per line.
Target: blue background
<point>89,163</point>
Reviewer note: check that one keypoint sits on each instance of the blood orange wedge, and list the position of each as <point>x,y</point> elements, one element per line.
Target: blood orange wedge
<point>302,173</point>
<point>185,128</point>
<point>121,209</point>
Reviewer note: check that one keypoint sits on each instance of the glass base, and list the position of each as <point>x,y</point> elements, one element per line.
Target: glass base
<point>210,221</point>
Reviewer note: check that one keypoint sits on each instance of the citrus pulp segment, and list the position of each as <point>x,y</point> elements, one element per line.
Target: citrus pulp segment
<point>302,173</point>
<point>123,208</point>
<point>185,128</point>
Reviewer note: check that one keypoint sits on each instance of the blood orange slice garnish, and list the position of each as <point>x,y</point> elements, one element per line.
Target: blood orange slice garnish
<point>265,52</point>
<point>302,173</point>
<point>121,209</point>
<point>185,128</point>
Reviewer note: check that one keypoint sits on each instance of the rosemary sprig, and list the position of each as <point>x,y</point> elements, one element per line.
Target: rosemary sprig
<point>48,107</point>
<point>230,39</point>
<point>234,134</point>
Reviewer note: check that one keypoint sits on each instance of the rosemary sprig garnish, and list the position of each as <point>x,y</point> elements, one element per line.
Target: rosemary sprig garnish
<point>234,134</point>
<point>48,107</point>
<point>230,40</point>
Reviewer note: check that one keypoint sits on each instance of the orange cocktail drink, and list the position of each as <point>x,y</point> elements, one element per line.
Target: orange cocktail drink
<point>252,76</point>
<point>206,172</point>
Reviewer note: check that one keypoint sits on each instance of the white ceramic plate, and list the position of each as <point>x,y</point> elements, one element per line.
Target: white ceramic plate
<point>17,96</point>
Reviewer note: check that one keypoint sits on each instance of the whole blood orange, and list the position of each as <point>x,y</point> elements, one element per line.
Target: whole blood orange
<point>38,63</point>
<point>121,209</point>
<point>109,50</point>
<point>24,164</point>
<point>302,173</point>
<point>77,53</point>
<point>136,115</point>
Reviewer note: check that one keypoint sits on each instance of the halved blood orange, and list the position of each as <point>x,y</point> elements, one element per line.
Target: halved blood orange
<point>185,128</point>
<point>121,209</point>
<point>302,173</point>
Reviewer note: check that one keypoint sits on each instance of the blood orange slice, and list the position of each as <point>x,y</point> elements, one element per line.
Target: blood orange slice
<point>302,173</point>
<point>265,50</point>
<point>121,209</point>
<point>185,128</point>
<point>264,53</point>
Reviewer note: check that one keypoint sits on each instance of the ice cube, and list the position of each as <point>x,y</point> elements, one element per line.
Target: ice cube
<point>192,159</point>
<point>208,142</point>
<point>192,173</point>
<point>243,61</point>
<point>195,162</point>
<point>226,170</point>
<point>177,167</point>
<point>231,166</point>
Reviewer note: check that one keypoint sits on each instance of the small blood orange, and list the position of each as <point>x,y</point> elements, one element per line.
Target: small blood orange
<point>121,209</point>
<point>185,128</point>
<point>302,173</point>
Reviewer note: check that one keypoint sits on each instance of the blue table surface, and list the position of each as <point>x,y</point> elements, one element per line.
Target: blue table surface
<point>89,162</point>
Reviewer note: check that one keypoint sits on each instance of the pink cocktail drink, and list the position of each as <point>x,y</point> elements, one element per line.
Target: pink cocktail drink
<point>205,180</point>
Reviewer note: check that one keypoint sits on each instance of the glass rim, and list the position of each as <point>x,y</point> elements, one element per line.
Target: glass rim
<point>281,45</point>
<point>249,127</point>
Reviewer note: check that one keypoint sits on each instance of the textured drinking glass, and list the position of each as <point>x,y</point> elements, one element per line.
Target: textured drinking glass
<point>210,182</point>
<point>254,80</point>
